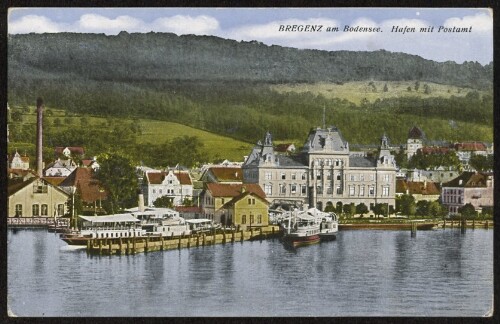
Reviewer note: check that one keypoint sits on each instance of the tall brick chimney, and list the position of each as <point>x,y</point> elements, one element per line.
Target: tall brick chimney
<point>39,142</point>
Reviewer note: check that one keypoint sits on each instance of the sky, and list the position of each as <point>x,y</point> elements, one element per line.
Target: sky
<point>263,25</point>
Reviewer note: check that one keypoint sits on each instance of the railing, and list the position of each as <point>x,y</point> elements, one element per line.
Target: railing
<point>36,221</point>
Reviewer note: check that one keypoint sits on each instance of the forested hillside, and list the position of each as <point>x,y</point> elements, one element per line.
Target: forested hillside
<point>224,86</point>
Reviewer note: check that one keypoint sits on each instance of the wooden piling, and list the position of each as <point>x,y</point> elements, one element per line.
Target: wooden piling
<point>232,236</point>
<point>413,229</point>
<point>203,239</point>
<point>133,245</point>
<point>260,234</point>
<point>100,247</point>
<point>180,242</point>
<point>162,241</point>
<point>224,236</point>
<point>89,244</point>
<point>197,240</point>
<point>444,224</point>
<point>463,225</point>
<point>120,242</point>
<point>128,246</point>
<point>486,225</point>
<point>241,237</point>
<point>110,247</point>
<point>473,224</point>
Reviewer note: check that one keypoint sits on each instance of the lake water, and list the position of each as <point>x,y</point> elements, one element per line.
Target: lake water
<point>362,273</point>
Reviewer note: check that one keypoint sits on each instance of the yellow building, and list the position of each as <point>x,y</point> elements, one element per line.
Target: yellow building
<point>35,198</point>
<point>248,209</point>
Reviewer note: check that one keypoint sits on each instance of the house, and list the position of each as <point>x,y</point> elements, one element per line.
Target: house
<point>216,195</point>
<point>20,162</point>
<point>465,150</point>
<point>90,163</point>
<point>177,185</point>
<point>475,188</point>
<point>82,183</point>
<point>35,197</point>
<point>324,173</point>
<point>222,174</point>
<point>439,175</point>
<point>425,190</point>
<point>248,209</point>
<point>69,151</point>
<point>60,168</point>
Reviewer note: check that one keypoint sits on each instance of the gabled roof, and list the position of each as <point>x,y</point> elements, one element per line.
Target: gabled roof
<point>284,147</point>
<point>242,196</point>
<point>469,180</point>
<point>233,190</point>
<point>158,177</point>
<point>222,174</point>
<point>55,181</point>
<point>88,187</point>
<point>188,209</point>
<point>18,184</point>
<point>73,149</point>
<point>470,146</point>
<point>330,139</point>
<point>416,133</point>
<point>435,150</point>
<point>417,188</point>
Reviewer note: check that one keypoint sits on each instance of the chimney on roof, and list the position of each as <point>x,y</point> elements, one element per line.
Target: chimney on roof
<point>39,136</point>
<point>140,202</point>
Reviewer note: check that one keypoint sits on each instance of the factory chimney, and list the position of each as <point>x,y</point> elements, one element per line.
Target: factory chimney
<point>39,142</point>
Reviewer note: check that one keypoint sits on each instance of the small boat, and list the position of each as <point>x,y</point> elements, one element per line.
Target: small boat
<point>328,222</point>
<point>107,226</point>
<point>302,230</point>
<point>200,225</point>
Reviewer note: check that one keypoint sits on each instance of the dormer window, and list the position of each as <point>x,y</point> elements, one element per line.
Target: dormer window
<point>39,187</point>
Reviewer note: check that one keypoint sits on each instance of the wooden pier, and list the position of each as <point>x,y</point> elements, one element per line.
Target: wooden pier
<point>134,245</point>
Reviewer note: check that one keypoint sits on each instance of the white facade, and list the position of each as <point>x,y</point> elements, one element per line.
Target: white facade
<point>176,185</point>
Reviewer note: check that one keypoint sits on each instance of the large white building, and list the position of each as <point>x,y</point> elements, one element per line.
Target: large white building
<point>176,185</point>
<point>324,173</point>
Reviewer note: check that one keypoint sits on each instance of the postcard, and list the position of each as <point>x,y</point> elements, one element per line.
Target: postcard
<point>250,162</point>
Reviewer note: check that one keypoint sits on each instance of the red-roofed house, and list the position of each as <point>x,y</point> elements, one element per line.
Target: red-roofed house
<point>216,195</point>
<point>20,162</point>
<point>475,188</point>
<point>425,190</point>
<point>220,174</point>
<point>177,185</point>
<point>189,212</point>
<point>466,149</point>
<point>414,141</point>
<point>246,209</point>
<point>88,188</point>
<point>285,148</point>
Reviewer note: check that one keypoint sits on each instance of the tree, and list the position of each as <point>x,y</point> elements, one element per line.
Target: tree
<point>57,122</point>
<point>427,89</point>
<point>380,209</point>
<point>481,163</point>
<point>349,209</point>
<point>117,176</point>
<point>84,121</point>
<point>361,209</point>
<point>436,209</point>
<point>406,205</point>
<point>417,85</point>
<point>164,201</point>
<point>386,88</point>
<point>408,89</point>
<point>16,116</point>
<point>422,208</point>
<point>467,210</point>
<point>329,208</point>
<point>187,202</point>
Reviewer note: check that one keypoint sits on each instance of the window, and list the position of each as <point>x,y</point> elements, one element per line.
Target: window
<point>45,210</point>
<point>339,190</point>
<point>371,191</point>
<point>352,190</point>
<point>303,176</point>
<point>259,219</point>
<point>161,191</point>
<point>283,176</point>
<point>362,190</point>
<point>318,176</point>
<point>293,189</point>
<point>36,210</point>
<point>338,176</point>
<point>352,177</point>
<point>294,176</point>
<point>39,187</point>
<point>243,219</point>
<point>329,176</point>
<point>361,177</point>
<point>170,181</point>
<point>319,190</point>
<point>282,189</point>
<point>303,190</point>
<point>251,201</point>
<point>337,162</point>
<point>268,176</point>
<point>268,189</point>
<point>222,201</point>
<point>372,177</point>
<point>154,191</point>
<point>386,177</point>
<point>385,191</point>
<point>252,220</point>
<point>60,209</point>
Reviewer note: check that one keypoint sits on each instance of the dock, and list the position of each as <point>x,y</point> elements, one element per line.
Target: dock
<point>134,245</point>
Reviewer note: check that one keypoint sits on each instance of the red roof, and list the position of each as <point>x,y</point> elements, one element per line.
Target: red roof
<point>88,187</point>
<point>158,177</point>
<point>417,188</point>
<point>435,150</point>
<point>227,174</point>
<point>282,147</point>
<point>55,181</point>
<point>469,180</point>
<point>233,190</point>
<point>243,195</point>
<point>470,146</point>
<point>73,149</point>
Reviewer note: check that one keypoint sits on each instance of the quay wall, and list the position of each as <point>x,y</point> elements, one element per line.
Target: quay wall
<point>133,245</point>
